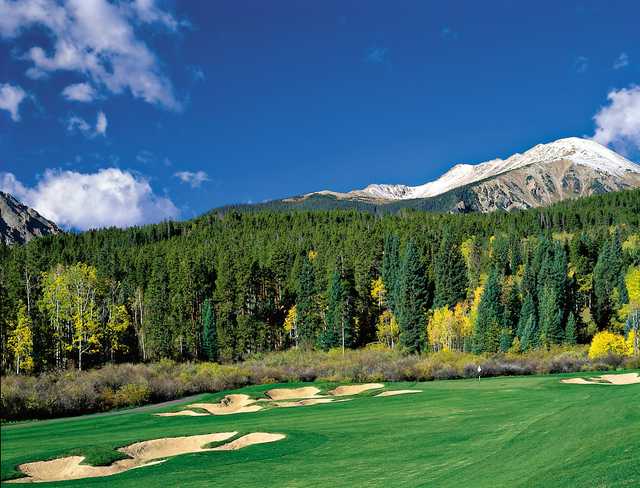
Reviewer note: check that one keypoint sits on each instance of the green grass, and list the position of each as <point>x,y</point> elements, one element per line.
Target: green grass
<point>515,432</point>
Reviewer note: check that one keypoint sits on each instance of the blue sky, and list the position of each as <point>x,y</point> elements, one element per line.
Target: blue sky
<point>207,103</point>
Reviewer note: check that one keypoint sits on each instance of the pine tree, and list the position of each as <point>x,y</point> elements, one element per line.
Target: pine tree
<point>570,331</point>
<point>450,273</point>
<point>307,305</point>
<point>506,339</point>
<point>608,277</point>
<point>209,333</point>
<point>339,316</point>
<point>527,312</point>
<point>530,335</point>
<point>490,316</point>
<point>391,271</point>
<point>550,318</point>
<point>412,301</point>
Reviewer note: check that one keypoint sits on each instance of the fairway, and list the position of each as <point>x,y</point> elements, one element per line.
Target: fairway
<point>505,431</point>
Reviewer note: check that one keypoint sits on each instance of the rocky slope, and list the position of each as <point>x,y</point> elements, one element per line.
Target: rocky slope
<point>545,174</point>
<point>20,224</point>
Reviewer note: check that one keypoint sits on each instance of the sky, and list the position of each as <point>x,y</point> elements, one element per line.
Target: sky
<point>125,112</point>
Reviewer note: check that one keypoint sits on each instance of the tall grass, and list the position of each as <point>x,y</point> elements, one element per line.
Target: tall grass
<point>65,393</point>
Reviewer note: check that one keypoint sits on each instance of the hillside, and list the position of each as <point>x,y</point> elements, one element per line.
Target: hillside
<point>545,174</point>
<point>20,224</point>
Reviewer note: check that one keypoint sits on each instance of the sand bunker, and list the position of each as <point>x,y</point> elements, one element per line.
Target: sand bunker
<point>230,404</point>
<point>396,392</point>
<point>293,393</point>
<point>182,413</point>
<point>355,389</point>
<point>142,454</point>
<point>606,379</point>
<point>303,403</point>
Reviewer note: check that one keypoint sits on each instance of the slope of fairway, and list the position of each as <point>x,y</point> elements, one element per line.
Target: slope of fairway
<point>517,431</point>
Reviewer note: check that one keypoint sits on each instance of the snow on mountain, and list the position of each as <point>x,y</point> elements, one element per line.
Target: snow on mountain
<point>581,152</point>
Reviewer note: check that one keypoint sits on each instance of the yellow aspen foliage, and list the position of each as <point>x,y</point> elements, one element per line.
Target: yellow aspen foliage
<point>605,342</point>
<point>441,330</point>
<point>117,325</point>
<point>312,255</point>
<point>20,342</point>
<point>378,291</point>
<point>387,329</point>
<point>290,319</point>
<point>633,343</point>
<point>632,280</point>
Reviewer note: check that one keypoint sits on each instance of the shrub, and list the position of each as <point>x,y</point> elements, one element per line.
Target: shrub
<point>606,343</point>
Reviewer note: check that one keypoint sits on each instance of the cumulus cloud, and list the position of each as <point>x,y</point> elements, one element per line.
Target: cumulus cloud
<point>109,197</point>
<point>194,179</point>
<point>618,122</point>
<point>621,61</point>
<point>80,92</point>
<point>97,39</point>
<point>10,99</point>
<point>78,124</point>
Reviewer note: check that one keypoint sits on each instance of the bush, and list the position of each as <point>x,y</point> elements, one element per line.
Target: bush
<point>607,343</point>
<point>63,393</point>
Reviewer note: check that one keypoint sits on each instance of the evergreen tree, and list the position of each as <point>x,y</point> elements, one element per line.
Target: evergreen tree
<point>506,339</point>
<point>450,274</point>
<point>412,301</point>
<point>209,333</point>
<point>530,335</point>
<point>608,281</point>
<point>339,316</point>
<point>391,271</point>
<point>307,305</point>
<point>490,316</point>
<point>550,318</point>
<point>570,331</point>
<point>527,312</point>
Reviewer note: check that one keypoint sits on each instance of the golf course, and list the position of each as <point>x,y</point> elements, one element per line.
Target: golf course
<point>527,431</point>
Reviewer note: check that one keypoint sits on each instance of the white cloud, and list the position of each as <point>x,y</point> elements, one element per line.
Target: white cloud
<point>10,99</point>
<point>194,179</point>
<point>101,124</point>
<point>80,92</point>
<point>95,38</point>
<point>110,197</point>
<point>78,124</point>
<point>618,123</point>
<point>621,61</point>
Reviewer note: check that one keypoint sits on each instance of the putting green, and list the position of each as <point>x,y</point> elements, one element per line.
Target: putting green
<point>515,431</point>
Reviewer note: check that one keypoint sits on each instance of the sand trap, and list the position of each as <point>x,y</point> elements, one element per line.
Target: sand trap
<point>303,403</point>
<point>293,393</point>
<point>355,389</point>
<point>230,404</point>
<point>606,379</point>
<point>396,392</point>
<point>249,440</point>
<point>181,413</point>
<point>142,454</point>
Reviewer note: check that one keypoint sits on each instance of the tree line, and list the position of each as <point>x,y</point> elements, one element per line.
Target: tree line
<point>225,286</point>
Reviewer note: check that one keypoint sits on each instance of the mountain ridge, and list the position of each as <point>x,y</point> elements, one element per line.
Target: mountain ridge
<point>544,174</point>
<point>20,223</point>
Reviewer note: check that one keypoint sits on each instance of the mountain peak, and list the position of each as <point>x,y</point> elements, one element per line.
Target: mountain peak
<point>19,223</point>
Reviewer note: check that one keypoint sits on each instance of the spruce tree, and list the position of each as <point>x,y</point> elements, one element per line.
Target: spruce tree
<point>551,331</point>
<point>412,301</point>
<point>339,315</point>
<point>450,273</point>
<point>530,335</point>
<point>570,331</point>
<point>490,316</point>
<point>307,305</point>
<point>391,271</point>
<point>527,312</point>
<point>209,333</point>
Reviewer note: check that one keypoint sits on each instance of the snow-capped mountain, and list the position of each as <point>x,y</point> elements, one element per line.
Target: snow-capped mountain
<point>582,155</point>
